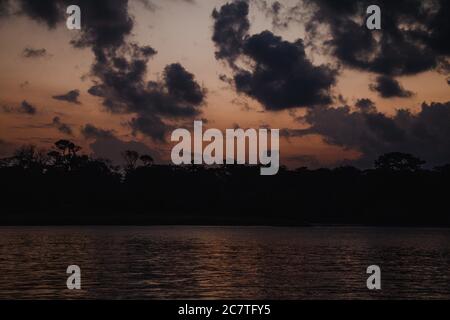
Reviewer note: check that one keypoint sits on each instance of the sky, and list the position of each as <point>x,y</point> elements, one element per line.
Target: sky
<point>339,93</point>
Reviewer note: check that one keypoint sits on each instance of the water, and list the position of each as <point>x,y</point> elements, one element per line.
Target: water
<point>223,262</point>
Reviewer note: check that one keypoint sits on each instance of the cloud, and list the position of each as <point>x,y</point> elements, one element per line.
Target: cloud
<point>388,87</point>
<point>90,131</point>
<point>24,108</point>
<point>291,133</point>
<point>150,126</point>
<point>106,145</point>
<point>56,123</point>
<point>282,15</point>
<point>414,35</point>
<point>425,134</point>
<point>119,70</point>
<point>62,127</point>
<point>4,7</point>
<point>155,104</point>
<point>283,77</point>
<point>181,85</point>
<point>47,11</point>
<point>34,53</point>
<point>151,6</point>
<point>231,26</point>
<point>105,23</point>
<point>280,75</point>
<point>71,97</point>
<point>242,104</point>
<point>365,105</point>
<point>27,108</point>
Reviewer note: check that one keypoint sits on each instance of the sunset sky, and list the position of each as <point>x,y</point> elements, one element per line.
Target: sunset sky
<point>55,85</point>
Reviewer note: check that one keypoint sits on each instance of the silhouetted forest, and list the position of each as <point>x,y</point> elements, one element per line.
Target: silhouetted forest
<point>64,186</point>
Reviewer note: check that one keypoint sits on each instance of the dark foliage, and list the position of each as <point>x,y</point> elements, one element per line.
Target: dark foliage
<point>64,187</point>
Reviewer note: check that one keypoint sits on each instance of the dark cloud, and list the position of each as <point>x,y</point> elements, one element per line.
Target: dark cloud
<point>279,76</point>
<point>34,53</point>
<point>231,26</point>
<point>425,134</point>
<point>282,15</point>
<point>413,38</point>
<point>181,85</point>
<point>150,126</point>
<point>291,133</point>
<point>439,27</point>
<point>120,70</point>
<point>365,105</point>
<point>282,76</point>
<point>48,12</point>
<point>90,131</point>
<point>71,97</point>
<point>62,127</point>
<point>242,104</point>
<point>151,6</point>
<point>105,144</point>
<point>120,66</point>
<point>122,85</point>
<point>274,10</point>
<point>105,23</point>
<point>27,108</point>
<point>4,7</point>
<point>24,108</point>
<point>229,81</point>
<point>388,87</point>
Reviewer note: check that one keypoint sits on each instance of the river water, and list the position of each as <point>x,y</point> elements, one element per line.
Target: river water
<point>224,262</point>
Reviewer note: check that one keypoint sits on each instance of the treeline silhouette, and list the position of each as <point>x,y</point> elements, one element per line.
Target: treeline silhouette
<point>63,186</point>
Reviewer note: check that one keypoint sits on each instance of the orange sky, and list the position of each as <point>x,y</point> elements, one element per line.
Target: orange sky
<point>187,41</point>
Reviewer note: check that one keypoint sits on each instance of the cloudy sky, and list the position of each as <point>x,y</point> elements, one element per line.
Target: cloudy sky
<point>137,69</point>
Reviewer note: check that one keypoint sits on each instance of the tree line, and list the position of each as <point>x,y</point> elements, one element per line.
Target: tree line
<point>64,186</point>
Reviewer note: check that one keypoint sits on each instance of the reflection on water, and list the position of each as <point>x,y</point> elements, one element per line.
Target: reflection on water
<point>223,262</point>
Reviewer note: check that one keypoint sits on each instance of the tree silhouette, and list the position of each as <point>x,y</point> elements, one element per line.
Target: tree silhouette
<point>67,147</point>
<point>28,157</point>
<point>65,154</point>
<point>55,157</point>
<point>147,160</point>
<point>130,157</point>
<point>397,161</point>
<point>64,186</point>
